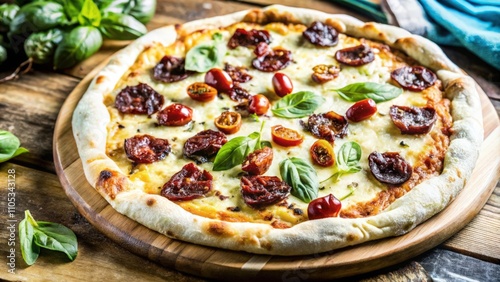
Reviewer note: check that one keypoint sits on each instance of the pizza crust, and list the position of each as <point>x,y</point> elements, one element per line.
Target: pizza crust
<point>91,117</point>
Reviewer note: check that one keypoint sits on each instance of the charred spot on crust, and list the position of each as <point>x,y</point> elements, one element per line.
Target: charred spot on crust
<point>111,183</point>
<point>100,79</point>
<point>150,202</point>
<point>105,175</point>
<point>270,16</point>
<point>219,229</point>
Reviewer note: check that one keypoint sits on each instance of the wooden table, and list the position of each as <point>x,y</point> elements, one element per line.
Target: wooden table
<point>29,108</point>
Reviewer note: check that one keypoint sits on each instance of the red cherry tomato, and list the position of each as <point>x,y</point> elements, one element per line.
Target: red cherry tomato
<point>327,206</point>
<point>259,104</point>
<point>285,136</point>
<point>175,115</point>
<point>282,84</point>
<point>361,110</point>
<point>322,153</point>
<point>219,79</point>
<point>202,92</point>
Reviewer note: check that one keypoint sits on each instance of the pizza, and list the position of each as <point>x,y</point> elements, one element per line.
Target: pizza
<point>279,131</point>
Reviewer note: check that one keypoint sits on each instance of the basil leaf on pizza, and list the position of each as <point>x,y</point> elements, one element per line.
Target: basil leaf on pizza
<point>348,158</point>
<point>205,56</point>
<point>302,177</point>
<point>297,105</point>
<point>235,151</point>
<point>362,90</point>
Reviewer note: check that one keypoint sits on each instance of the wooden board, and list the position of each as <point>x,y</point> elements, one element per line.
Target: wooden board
<point>223,264</point>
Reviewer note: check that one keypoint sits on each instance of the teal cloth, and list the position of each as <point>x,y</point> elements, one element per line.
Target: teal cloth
<point>473,24</point>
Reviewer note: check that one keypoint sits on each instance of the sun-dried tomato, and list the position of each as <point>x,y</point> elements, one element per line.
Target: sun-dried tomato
<point>238,94</point>
<point>237,74</point>
<point>258,162</point>
<point>170,69</point>
<point>203,145</point>
<point>273,60</point>
<point>413,120</point>
<point>139,99</point>
<point>242,37</point>
<point>146,148</point>
<point>328,126</point>
<point>187,184</point>
<point>355,56</point>
<point>414,78</point>
<point>389,167</point>
<point>260,191</point>
<point>321,34</point>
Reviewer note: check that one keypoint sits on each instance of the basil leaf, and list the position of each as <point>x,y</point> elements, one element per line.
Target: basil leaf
<point>90,14</point>
<point>7,13</point>
<point>349,155</point>
<point>9,146</point>
<point>41,46</point>
<point>121,27</point>
<point>3,54</point>
<point>363,90</point>
<point>112,6</point>
<point>29,251</point>
<point>234,152</point>
<point>302,177</point>
<point>205,56</point>
<point>72,8</point>
<point>142,10</point>
<point>297,105</point>
<point>38,16</point>
<point>56,237</point>
<point>79,44</point>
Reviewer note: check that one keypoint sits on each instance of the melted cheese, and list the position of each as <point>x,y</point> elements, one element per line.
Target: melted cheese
<point>378,133</point>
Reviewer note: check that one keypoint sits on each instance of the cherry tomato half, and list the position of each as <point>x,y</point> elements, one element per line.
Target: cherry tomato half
<point>202,92</point>
<point>259,104</point>
<point>322,153</point>
<point>327,206</point>
<point>361,110</point>
<point>282,84</point>
<point>228,122</point>
<point>175,115</point>
<point>219,79</point>
<point>285,136</point>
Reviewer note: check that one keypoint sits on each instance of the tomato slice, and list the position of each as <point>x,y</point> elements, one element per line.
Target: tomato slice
<point>327,206</point>
<point>259,105</point>
<point>322,153</point>
<point>228,122</point>
<point>202,92</point>
<point>285,136</point>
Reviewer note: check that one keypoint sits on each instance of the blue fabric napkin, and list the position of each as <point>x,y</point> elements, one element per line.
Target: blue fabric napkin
<point>473,24</point>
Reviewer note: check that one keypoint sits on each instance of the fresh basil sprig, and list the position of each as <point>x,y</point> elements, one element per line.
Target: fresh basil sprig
<point>89,14</point>
<point>78,45</point>
<point>38,16</point>
<point>362,90</point>
<point>205,56</point>
<point>297,105</point>
<point>9,146</point>
<point>348,158</point>
<point>235,151</point>
<point>48,235</point>
<point>41,46</point>
<point>7,13</point>
<point>121,27</point>
<point>302,177</point>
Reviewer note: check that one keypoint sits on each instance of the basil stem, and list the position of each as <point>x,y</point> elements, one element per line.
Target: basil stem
<point>297,105</point>
<point>362,90</point>
<point>348,158</point>
<point>302,177</point>
<point>9,146</point>
<point>48,235</point>
<point>205,56</point>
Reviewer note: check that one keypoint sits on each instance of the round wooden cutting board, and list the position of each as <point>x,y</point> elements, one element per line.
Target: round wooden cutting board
<point>230,265</point>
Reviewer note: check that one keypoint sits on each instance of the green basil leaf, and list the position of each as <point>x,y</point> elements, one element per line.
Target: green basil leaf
<point>7,13</point>
<point>363,90</point>
<point>41,46</point>
<point>90,14</point>
<point>38,16</point>
<point>113,6</point>
<point>266,143</point>
<point>121,27</point>
<point>29,251</point>
<point>9,146</point>
<point>349,155</point>
<point>204,56</point>
<point>79,44</point>
<point>233,152</point>
<point>302,177</point>
<point>3,54</point>
<point>297,105</point>
<point>72,8</point>
<point>142,10</point>
<point>56,237</point>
